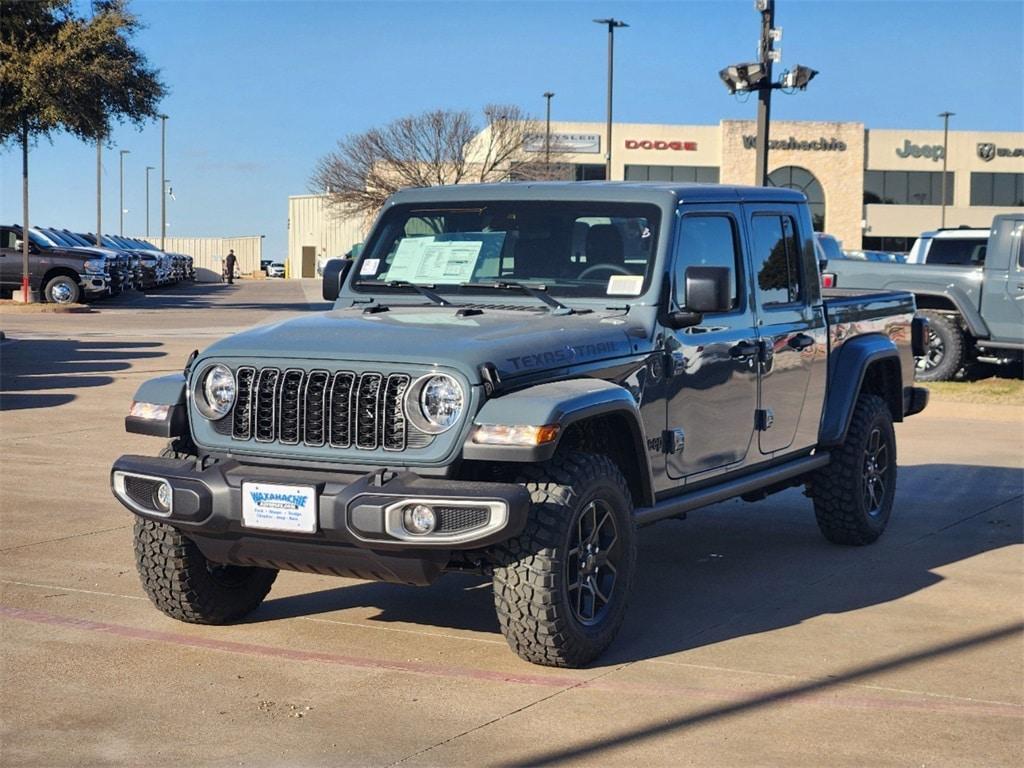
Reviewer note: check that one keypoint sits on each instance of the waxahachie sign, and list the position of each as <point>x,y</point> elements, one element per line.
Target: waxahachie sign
<point>792,143</point>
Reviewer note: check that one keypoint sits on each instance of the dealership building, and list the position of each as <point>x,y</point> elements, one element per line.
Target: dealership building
<point>872,189</point>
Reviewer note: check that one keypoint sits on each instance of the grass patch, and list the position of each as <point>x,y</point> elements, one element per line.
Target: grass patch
<point>1002,391</point>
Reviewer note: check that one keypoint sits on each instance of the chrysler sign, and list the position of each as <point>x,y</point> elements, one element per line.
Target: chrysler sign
<point>580,143</point>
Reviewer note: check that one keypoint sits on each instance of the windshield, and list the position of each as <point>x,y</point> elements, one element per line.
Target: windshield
<point>570,249</point>
<point>42,239</point>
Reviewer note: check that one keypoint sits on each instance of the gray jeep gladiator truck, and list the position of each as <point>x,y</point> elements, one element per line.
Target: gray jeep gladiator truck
<point>512,379</point>
<point>971,293</point>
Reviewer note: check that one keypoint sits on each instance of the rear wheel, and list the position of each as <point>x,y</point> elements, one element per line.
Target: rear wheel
<point>62,289</point>
<point>560,588</point>
<point>853,495</point>
<point>944,349</point>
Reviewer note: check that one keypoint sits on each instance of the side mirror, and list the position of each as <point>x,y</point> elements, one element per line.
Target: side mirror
<point>335,272</point>
<point>707,289</point>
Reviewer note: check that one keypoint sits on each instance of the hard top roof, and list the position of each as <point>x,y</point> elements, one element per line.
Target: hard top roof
<point>659,193</point>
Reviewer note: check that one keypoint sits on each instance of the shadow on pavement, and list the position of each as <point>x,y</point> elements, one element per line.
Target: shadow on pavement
<point>736,569</point>
<point>28,368</point>
<point>602,742</point>
<point>242,295</point>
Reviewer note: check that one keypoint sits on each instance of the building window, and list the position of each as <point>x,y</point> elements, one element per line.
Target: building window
<point>802,180</point>
<point>589,172</point>
<point>701,174</point>
<point>906,188</point>
<point>997,189</point>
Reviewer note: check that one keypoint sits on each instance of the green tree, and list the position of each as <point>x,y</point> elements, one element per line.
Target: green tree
<point>60,71</point>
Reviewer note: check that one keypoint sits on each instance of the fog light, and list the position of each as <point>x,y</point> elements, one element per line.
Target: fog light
<point>162,497</point>
<point>419,519</point>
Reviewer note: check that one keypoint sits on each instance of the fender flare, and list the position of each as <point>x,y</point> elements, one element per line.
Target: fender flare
<point>164,390</point>
<point>972,317</point>
<point>563,403</point>
<point>846,378</point>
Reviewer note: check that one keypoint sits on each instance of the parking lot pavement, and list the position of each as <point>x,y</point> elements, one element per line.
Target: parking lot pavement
<point>748,640</point>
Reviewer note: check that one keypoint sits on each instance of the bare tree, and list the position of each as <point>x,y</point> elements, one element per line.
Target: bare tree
<point>426,150</point>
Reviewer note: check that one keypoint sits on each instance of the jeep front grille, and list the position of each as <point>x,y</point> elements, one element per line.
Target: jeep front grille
<point>319,408</point>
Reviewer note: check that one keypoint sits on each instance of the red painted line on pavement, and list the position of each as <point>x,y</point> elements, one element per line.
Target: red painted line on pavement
<point>839,698</point>
<point>251,649</point>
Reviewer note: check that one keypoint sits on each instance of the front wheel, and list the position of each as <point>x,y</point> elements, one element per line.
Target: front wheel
<point>853,495</point>
<point>560,588</point>
<point>62,289</point>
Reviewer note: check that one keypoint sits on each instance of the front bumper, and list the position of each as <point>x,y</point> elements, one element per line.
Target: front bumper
<point>356,533</point>
<point>95,284</point>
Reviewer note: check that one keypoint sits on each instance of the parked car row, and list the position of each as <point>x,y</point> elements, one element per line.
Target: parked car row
<point>67,267</point>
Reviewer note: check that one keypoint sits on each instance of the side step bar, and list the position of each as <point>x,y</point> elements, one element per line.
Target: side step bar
<point>686,502</point>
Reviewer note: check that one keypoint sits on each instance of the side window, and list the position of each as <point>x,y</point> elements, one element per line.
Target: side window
<point>7,239</point>
<point>707,241</point>
<point>777,260</point>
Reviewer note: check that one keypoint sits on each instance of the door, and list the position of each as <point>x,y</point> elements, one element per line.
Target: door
<point>789,326</point>
<point>1002,300</point>
<point>10,258</point>
<point>309,261</point>
<point>712,366</point>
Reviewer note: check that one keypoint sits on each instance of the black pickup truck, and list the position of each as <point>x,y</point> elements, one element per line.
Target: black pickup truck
<point>61,275</point>
<point>512,380</point>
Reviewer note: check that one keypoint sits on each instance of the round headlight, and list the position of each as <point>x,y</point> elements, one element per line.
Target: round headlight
<point>435,403</point>
<point>217,392</point>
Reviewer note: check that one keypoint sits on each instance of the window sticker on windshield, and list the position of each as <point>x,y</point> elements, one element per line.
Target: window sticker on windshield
<point>625,285</point>
<point>369,267</point>
<point>426,260</point>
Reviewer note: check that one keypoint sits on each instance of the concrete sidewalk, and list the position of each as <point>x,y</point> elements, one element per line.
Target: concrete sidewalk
<point>749,639</point>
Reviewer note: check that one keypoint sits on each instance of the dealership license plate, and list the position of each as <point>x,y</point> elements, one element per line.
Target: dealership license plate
<point>279,507</point>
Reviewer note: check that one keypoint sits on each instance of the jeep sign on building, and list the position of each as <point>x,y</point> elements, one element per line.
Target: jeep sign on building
<point>875,189</point>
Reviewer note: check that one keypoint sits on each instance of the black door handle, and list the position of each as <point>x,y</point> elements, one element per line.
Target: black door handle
<point>744,349</point>
<point>801,341</point>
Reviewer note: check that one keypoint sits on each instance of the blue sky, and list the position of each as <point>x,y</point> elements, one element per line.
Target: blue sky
<point>259,90</point>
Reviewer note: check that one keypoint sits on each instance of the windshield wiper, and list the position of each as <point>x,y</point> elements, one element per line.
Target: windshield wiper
<point>420,289</point>
<point>539,292</point>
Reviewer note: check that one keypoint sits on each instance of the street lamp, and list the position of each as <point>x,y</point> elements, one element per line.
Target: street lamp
<point>148,169</point>
<point>757,76</point>
<point>99,191</point>
<point>163,179</point>
<point>945,154</point>
<point>547,134</point>
<point>612,25</point>
<point>121,227</point>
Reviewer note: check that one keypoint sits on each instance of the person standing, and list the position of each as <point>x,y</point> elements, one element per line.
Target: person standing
<point>229,263</point>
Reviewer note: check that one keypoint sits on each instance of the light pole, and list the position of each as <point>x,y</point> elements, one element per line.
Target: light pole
<point>148,169</point>
<point>121,226</point>
<point>163,179</point>
<point>945,154</point>
<point>547,134</point>
<point>99,191</point>
<point>612,25</point>
<point>764,96</point>
<point>757,76</point>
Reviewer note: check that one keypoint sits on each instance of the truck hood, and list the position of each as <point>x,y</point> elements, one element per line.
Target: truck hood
<point>517,342</point>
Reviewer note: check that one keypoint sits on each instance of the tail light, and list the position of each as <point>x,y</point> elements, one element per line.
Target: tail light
<point>828,279</point>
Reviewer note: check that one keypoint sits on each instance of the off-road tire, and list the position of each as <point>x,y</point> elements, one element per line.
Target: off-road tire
<point>843,504</point>
<point>953,344</point>
<point>532,579</point>
<point>182,583</point>
<point>62,289</point>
